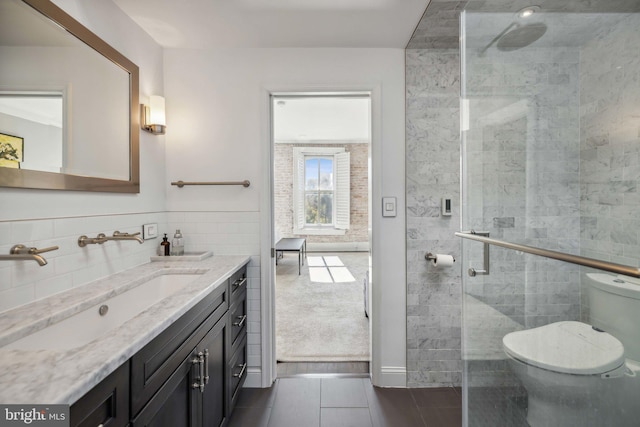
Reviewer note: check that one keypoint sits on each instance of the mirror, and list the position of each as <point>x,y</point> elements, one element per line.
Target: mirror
<point>68,104</point>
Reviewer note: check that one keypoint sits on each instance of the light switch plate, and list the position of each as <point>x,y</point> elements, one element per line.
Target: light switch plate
<point>149,231</point>
<point>389,206</point>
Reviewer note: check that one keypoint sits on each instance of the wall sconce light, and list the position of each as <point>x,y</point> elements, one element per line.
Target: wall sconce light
<point>153,117</point>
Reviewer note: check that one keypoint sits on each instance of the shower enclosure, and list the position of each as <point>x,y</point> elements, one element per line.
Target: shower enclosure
<point>550,117</point>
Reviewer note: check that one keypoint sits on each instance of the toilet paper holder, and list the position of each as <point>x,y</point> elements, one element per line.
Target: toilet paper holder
<point>432,257</point>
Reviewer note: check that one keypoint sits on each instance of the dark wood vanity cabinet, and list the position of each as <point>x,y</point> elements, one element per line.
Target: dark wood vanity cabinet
<point>188,376</point>
<point>194,394</point>
<point>107,404</point>
<point>237,357</point>
<point>155,362</point>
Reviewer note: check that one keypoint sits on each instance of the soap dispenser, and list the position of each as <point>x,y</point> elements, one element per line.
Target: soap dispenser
<point>165,245</point>
<point>178,244</point>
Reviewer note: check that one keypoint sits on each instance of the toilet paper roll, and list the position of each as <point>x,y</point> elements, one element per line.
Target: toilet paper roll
<point>443,261</point>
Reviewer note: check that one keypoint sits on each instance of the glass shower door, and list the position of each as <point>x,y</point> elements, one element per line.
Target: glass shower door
<point>550,160</point>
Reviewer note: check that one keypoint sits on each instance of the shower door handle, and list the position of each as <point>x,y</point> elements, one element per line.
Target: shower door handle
<point>485,270</point>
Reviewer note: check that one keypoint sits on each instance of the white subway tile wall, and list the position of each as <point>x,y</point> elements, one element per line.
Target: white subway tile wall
<point>70,266</point>
<point>223,233</point>
<point>227,233</point>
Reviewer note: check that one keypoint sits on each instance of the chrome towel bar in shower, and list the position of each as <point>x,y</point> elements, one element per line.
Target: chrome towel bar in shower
<point>560,256</point>
<point>181,184</point>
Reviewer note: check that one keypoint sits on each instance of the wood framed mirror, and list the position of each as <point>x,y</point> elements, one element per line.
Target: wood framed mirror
<point>69,104</point>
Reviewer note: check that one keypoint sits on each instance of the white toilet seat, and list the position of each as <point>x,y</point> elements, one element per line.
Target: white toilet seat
<point>566,347</point>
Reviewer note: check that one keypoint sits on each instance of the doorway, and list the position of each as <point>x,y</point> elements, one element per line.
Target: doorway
<point>321,145</point>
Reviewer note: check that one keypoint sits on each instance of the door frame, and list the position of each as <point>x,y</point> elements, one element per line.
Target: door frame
<point>268,372</point>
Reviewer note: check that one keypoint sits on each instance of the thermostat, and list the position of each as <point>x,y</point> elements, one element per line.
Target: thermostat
<point>445,205</point>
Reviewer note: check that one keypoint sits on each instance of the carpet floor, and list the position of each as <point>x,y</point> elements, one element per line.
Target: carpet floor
<point>322,319</point>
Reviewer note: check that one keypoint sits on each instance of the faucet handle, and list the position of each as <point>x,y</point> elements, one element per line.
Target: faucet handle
<point>39,251</point>
<point>22,249</point>
<point>19,249</point>
<point>117,233</point>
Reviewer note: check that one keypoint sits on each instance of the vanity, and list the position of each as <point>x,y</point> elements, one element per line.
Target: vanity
<point>179,362</point>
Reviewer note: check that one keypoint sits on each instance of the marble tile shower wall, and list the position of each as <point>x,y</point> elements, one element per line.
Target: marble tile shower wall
<point>523,152</point>
<point>523,179</point>
<point>610,146</point>
<point>432,164</point>
<point>70,266</point>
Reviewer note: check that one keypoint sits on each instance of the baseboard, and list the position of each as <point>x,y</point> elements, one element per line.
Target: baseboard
<point>338,247</point>
<point>393,376</point>
<point>254,378</point>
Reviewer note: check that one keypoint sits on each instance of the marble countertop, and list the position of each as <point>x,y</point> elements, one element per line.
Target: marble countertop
<point>62,377</point>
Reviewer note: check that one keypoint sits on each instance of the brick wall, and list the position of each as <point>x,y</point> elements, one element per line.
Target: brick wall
<point>283,193</point>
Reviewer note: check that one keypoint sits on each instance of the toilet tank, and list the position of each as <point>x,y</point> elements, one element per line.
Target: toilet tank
<point>614,303</point>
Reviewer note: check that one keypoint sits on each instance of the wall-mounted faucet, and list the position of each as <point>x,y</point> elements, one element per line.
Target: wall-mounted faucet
<point>84,240</point>
<point>126,236</point>
<point>101,238</point>
<point>21,252</point>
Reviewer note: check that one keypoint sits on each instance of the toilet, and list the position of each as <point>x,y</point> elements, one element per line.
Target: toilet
<point>578,374</point>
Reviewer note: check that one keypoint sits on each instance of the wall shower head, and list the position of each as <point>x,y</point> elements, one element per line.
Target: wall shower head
<point>521,36</point>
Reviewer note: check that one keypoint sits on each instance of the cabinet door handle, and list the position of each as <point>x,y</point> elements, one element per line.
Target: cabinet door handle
<point>238,283</point>
<point>206,366</point>
<point>199,360</point>
<point>240,322</point>
<point>241,373</point>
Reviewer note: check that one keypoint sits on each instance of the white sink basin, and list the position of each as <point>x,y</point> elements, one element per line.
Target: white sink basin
<point>84,327</point>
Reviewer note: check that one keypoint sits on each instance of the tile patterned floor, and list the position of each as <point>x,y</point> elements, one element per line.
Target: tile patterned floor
<point>345,402</point>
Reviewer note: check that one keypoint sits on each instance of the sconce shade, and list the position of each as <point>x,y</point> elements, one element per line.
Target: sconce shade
<point>153,116</point>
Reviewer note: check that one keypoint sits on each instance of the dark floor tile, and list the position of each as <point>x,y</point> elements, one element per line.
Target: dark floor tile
<point>297,403</point>
<point>441,397</point>
<point>257,397</point>
<point>343,393</point>
<point>250,417</point>
<point>392,407</point>
<point>493,406</point>
<point>345,417</point>
<point>442,417</point>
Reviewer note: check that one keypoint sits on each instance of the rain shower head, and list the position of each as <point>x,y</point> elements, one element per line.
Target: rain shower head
<point>521,36</point>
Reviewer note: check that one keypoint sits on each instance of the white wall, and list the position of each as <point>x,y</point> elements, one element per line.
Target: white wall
<point>43,217</point>
<point>217,130</point>
<point>217,120</point>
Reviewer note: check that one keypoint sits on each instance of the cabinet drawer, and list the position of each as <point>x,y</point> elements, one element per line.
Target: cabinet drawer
<point>237,372</point>
<point>238,317</point>
<point>155,362</point>
<point>238,283</point>
<point>106,404</point>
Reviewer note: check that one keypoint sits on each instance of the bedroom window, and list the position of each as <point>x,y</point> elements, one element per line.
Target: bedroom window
<point>321,190</point>
<point>318,191</point>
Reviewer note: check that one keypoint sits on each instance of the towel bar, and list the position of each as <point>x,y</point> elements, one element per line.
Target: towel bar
<point>181,184</point>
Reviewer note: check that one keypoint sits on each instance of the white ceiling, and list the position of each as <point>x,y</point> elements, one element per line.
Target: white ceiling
<point>277,23</point>
<point>323,119</point>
